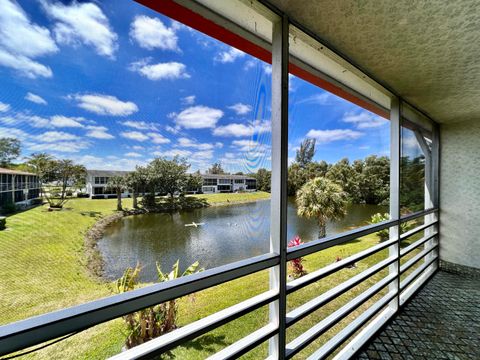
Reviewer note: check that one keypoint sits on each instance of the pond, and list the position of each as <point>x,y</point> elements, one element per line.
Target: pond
<point>228,234</point>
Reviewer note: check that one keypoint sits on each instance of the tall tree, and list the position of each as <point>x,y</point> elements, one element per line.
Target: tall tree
<point>117,184</point>
<point>62,174</point>
<point>133,181</point>
<point>194,182</point>
<point>216,169</point>
<point>9,150</point>
<point>344,175</point>
<point>42,166</point>
<point>323,200</point>
<point>374,180</point>
<point>264,180</point>
<point>169,176</point>
<point>306,152</point>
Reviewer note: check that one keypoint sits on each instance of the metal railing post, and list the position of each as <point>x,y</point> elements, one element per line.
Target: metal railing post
<point>395,145</point>
<point>278,227</point>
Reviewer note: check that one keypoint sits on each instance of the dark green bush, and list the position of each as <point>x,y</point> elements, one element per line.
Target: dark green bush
<point>8,208</point>
<point>3,222</point>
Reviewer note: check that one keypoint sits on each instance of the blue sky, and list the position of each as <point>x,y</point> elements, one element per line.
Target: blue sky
<point>112,84</point>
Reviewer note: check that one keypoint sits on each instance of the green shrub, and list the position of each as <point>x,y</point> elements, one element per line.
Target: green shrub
<point>378,218</point>
<point>9,208</point>
<point>3,222</point>
<point>384,234</point>
<point>154,321</point>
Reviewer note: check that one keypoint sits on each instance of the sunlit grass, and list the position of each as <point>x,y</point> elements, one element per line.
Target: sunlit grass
<point>233,197</point>
<point>44,269</point>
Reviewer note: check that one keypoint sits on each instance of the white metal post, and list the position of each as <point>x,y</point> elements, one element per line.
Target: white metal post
<point>428,186</point>
<point>394,250</point>
<point>435,193</point>
<point>278,217</point>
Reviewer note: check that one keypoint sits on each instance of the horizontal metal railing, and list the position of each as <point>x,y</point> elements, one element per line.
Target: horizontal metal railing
<point>418,214</point>
<point>49,326</point>
<point>314,304</point>
<point>42,328</point>
<point>329,241</point>
<point>336,266</point>
<point>351,328</point>
<point>197,328</point>
<point>323,326</point>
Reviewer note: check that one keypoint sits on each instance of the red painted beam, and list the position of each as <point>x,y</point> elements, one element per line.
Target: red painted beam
<point>186,16</point>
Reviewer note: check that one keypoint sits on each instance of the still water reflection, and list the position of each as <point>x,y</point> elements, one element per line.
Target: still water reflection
<point>229,233</point>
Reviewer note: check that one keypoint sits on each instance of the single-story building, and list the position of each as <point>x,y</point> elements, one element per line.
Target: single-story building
<point>18,187</point>
<point>96,184</point>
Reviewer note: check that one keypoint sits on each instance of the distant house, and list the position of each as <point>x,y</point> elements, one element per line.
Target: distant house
<point>218,183</point>
<point>18,187</point>
<point>96,184</point>
<point>97,180</point>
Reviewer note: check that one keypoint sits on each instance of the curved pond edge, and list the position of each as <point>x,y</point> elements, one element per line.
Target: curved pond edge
<point>94,260</point>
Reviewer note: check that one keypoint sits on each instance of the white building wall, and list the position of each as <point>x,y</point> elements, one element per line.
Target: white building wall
<point>460,193</point>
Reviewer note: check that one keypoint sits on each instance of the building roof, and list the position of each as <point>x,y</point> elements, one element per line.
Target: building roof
<point>226,176</point>
<point>107,173</point>
<point>110,173</point>
<point>15,172</point>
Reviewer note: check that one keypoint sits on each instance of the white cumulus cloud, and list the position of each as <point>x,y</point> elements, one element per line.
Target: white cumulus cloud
<point>161,71</point>
<point>157,138</point>
<point>55,136</point>
<point>197,117</point>
<point>99,132</point>
<point>247,145</point>
<point>139,125</point>
<point>82,23</point>
<point>188,100</point>
<point>172,153</point>
<point>104,104</point>
<point>63,146</point>
<point>241,109</point>
<point>229,55</point>
<point>150,33</point>
<point>243,130</point>
<point>133,154</point>
<point>15,29</point>
<point>364,120</point>
<point>4,107</point>
<point>134,135</point>
<point>327,136</point>
<point>35,98</point>
<point>65,121</point>
<point>189,143</point>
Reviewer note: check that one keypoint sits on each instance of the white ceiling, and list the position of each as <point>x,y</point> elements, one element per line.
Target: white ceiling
<point>426,51</point>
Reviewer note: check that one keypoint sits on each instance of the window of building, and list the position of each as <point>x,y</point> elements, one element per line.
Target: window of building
<point>209,181</point>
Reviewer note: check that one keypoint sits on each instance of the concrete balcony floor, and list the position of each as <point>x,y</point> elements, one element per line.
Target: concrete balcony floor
<point>442,321</point>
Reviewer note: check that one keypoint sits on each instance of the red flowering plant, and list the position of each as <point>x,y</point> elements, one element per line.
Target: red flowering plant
<point>296,265</point>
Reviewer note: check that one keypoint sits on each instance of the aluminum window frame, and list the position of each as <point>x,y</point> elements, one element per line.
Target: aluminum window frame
<point>32,331</point>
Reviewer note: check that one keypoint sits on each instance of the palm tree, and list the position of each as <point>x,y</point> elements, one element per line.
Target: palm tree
<point>117,184</point>
<point>323,200</point>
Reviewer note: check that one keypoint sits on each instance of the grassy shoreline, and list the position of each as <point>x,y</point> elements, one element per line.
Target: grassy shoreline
<point>44,263</point>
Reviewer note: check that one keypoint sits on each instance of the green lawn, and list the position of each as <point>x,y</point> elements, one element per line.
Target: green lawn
<point>228,198</point>
<point>43,262</point>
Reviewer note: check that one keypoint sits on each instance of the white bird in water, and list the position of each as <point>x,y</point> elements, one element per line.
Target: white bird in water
<point>195,224</point>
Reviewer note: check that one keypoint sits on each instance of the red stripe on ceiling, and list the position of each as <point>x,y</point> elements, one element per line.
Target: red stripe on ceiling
<point>186,16</point>
<point>334,89</point>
